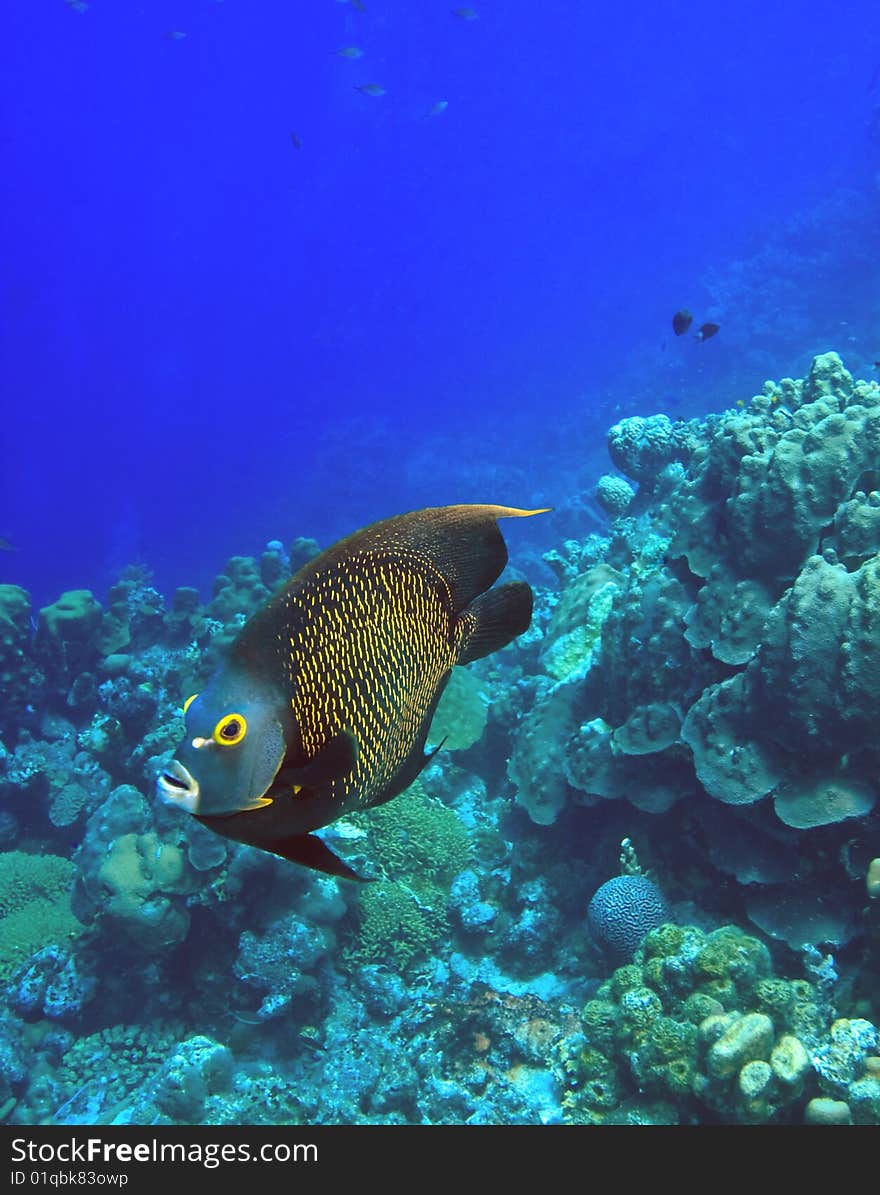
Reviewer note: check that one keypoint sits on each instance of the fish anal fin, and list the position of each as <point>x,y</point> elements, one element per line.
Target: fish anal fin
<point>496,618</point>
<point>310,851</point>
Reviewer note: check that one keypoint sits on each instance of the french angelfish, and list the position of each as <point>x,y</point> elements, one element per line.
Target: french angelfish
<point>324,703</point>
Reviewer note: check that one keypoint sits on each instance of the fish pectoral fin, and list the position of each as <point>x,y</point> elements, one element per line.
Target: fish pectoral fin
<point>309,851</point>
<point>335,759</point>
<point>496,618</point>
<point>256,803</point>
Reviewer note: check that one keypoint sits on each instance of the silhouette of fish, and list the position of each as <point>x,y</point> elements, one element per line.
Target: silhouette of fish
<point>706,331</point>
<point>681,321</point>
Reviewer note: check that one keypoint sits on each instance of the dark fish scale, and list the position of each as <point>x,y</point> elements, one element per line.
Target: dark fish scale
<point>377,624</point>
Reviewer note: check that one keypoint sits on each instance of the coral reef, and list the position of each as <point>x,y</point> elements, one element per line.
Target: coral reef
<point>35,909</point>
<point>699,1022</point>
<point>736,666</point>
<point>701,674</point>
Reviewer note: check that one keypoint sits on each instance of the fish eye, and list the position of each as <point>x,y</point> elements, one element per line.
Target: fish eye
<point>230,730</point>
<point>189,701</point>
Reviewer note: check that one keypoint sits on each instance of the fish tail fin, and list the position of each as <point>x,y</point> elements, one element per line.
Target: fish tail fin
<point>495,619</point>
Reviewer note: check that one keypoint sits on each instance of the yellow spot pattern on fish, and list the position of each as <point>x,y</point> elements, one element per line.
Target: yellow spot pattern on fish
<point>375,636</point>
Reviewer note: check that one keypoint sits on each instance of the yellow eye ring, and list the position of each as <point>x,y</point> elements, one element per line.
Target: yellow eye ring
<point>230,730</point>
<point>189,702</point>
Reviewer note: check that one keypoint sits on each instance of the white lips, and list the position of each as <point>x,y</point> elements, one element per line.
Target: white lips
<point>176,786</point>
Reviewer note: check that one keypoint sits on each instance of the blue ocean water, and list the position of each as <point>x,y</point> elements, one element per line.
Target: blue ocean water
<point>272,272</point>
<point>211,337</point>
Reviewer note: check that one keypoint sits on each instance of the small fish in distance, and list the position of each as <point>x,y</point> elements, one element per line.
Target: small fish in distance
<point>371,89</point>
<point>681,321</point>
<point>465,14</point>
<point>436,109</point>
<point>349,52</point>
<point>6,546</point>
<point>324,702</point>
<point>175,35</point>
<point>294,140</point>
<point>706,331</point>
<point>76,5</point>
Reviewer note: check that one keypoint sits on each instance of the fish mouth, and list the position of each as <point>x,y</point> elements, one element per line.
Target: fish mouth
<point>178,787</point>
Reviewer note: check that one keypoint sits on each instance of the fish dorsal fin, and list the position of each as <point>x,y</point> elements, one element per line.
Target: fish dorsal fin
<point>464,543</point>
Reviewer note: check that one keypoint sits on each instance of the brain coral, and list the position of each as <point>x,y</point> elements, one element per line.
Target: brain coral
<point>622,911</point>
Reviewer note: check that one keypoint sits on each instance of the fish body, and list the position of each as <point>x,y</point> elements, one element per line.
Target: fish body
<point>465,14</point>
<point>324,703</point>
<point>436,109</point>
<point>294,140</point>
<point>681,321</point>
<point>7,545</point>
<point>707,331</point>
<point>371,89</point>
<point>351,52</point>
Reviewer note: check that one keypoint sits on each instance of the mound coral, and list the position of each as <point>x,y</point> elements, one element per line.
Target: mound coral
<point>738,665</point>
<point>700,1022</point>
<point>139,876</point>
<point>67,631</point>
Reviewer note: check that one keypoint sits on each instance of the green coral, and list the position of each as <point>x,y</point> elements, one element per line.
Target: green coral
<point>139,877</point>
<point>418,837</point>
<point>396,925</point>
<point>699,1020</point>
<point>422,844</point>
<point>34,906</point>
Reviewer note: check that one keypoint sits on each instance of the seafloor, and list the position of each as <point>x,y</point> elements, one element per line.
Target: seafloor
<point>694,710</point>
